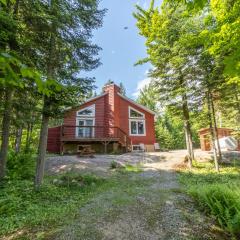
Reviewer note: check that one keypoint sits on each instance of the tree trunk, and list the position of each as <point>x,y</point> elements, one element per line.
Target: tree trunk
<point>18,140</point>
<point>212,133</point>
<point>215,128</point>
<point>42,148</point>
<point>46,108</point>
<point>5,132</point>
<point>187,129</point>
<point>27,138</point>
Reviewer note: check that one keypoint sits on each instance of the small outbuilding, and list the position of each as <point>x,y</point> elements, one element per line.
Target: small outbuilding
<point>205,136</point>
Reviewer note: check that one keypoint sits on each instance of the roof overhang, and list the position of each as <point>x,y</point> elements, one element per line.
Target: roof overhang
<point>87,101</point>
<point>137,104</point>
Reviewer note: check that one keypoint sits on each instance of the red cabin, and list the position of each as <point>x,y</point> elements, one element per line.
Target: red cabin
<point>108,122</point>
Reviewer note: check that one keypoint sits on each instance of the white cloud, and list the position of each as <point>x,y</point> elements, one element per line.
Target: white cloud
<point>140,85</point>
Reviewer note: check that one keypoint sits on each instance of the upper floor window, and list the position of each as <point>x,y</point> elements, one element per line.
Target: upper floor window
<point>133,113</point>
<point>87,112</point>
<point>136,123</point>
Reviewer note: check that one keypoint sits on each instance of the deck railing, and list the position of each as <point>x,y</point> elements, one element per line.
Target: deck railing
<point>101,133</point>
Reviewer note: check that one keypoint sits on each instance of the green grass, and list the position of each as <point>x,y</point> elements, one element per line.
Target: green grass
<point>39,214</point>
<point>216,193</point>
<point>22,208</point>
<point>128,168</point>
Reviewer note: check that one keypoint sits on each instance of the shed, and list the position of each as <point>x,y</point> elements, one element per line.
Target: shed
<point>205,136</point>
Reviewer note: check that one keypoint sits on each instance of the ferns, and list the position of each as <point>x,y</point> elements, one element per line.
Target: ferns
<point>217,194</point>
<point>222,201</point>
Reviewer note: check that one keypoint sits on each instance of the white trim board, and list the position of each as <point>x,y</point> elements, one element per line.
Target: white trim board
<point>137,120</point>
<point>129,113</point>
<point>137,104</point>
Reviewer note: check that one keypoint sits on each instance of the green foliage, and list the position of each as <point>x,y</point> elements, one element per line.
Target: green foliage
<point>133,168</point>
<point>169,132</point>
<point>16,75</point>
<point>21,165</point>
<point>113,165</point>
<point>22,207</point>
<point>218,194</point>
<point>148,97</point>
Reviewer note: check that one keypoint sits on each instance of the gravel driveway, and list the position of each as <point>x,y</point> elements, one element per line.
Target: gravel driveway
<point>100,163</point>
<point>149,205</point>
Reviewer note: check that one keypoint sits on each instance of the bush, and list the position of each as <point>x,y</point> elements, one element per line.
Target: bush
<point>216,193</point>
<point>113,165</point>
<point>71,179</point>
<point>21,165</point>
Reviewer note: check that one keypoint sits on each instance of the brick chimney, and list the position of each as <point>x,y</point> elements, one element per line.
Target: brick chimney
<point>112,105</point>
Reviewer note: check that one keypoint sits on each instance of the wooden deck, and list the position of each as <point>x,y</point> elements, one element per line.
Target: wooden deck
<point>90,140</point>
<point>94,134</point>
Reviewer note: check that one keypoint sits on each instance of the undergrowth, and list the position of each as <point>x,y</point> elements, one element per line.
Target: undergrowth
<point>21,207</point>
<point>216,193</point>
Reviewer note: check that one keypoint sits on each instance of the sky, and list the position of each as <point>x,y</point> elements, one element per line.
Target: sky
<point>121,48</point>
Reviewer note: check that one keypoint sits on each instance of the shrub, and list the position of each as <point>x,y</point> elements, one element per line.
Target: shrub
<point>113,165</point>
<point>216,193</point>
<point>71,179</point>
<point>221,201</point>
<point>21,165</point>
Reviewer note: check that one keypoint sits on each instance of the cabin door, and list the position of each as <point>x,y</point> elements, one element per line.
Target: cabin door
<point>85,129</point>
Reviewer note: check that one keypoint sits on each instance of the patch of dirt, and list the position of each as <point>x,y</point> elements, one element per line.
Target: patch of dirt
<point>146,206</point>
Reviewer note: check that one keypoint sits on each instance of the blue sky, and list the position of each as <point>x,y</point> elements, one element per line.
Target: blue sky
<point>121,48</point>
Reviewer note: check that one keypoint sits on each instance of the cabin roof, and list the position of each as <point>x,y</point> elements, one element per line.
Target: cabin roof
<point>119,94</point>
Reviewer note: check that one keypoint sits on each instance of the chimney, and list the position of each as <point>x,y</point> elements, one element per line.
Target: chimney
<point>112,104</point>
<point>111,88</point>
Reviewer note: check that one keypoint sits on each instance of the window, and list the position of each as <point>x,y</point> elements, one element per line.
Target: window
<point>85,128</point>
<point>87,112</point>
<point>136,148</point>
<point>85,122</point>
<point>137,127</point>
<point>133,113</point>
<point>136,122</point>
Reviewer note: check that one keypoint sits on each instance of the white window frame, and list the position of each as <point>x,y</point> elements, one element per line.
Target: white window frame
<point>84,118</point>
<point>129,113</point>
<point>92,107</point>
<point>137,120</point>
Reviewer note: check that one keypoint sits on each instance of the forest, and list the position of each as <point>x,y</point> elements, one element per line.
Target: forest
<point>46,45</point>
<point>194,51</point>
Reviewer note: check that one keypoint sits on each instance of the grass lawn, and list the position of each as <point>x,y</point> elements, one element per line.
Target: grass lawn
<point>216,193</point>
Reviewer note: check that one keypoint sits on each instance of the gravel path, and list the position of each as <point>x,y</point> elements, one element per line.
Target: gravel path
<point>147,206</point>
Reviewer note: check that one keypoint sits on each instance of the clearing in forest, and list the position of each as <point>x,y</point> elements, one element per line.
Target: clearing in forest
<point>146,202</point>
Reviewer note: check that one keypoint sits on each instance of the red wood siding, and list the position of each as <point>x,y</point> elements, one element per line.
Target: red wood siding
<point>111,110</point>
<point>124,123</point>
<point>70,117</point>
<point>53,144</point>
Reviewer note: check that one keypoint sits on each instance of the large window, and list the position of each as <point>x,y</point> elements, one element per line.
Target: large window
<point>136,123</point>
<point>87,112</point>
<point>133,113</point>
<point>85,121</point>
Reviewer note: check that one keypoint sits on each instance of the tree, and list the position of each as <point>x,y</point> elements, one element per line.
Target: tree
<point>170,51</point>
<point>122,89</point>
<point>219,38</point>
<point>67,31</point>
<point>52,37</point>
<point>148,98</point>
